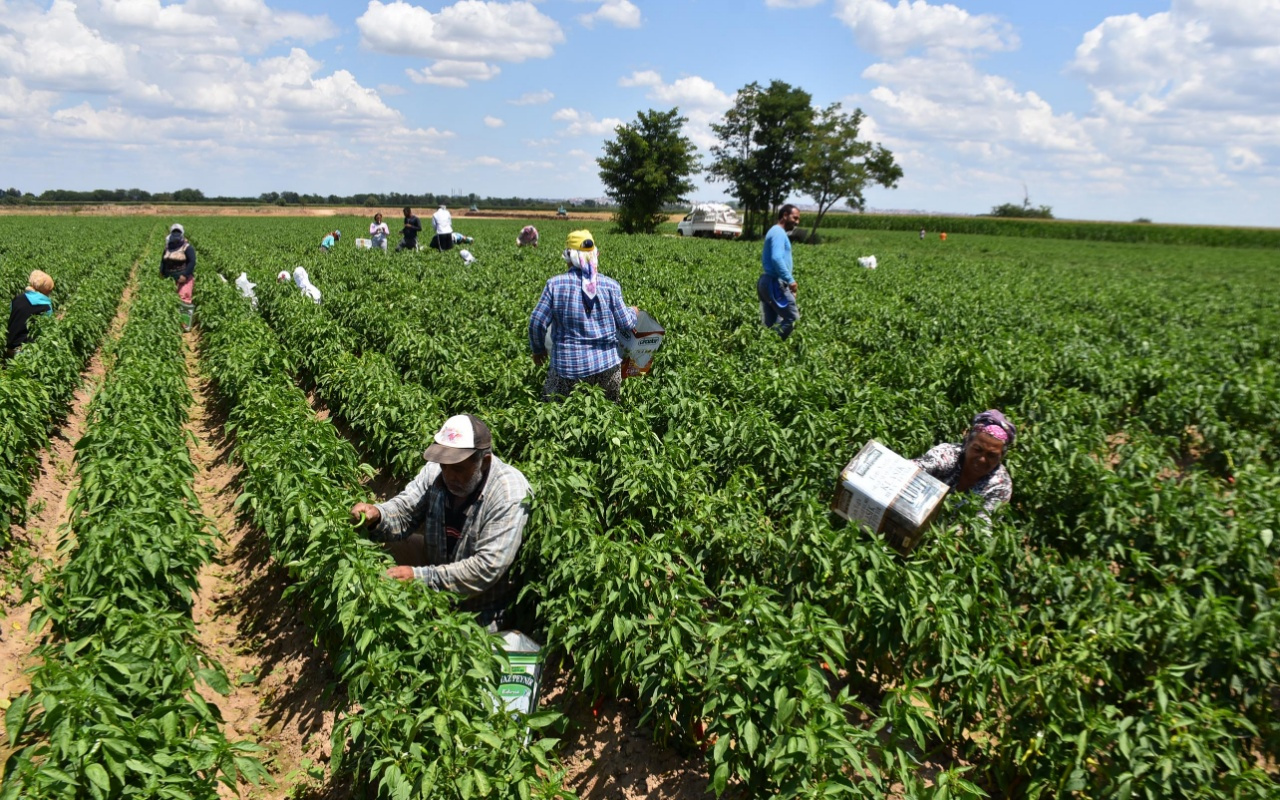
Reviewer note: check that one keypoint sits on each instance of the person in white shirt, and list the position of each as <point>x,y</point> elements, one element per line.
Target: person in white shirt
<point>378,231</point>
<point>442,221</point>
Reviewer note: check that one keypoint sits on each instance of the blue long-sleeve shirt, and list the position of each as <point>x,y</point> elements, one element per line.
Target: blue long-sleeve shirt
<point>776,258</point>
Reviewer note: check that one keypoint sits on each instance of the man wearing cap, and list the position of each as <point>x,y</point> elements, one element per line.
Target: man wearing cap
<point>588,312</point>
<point>457,526</point>
<point>179,263</point>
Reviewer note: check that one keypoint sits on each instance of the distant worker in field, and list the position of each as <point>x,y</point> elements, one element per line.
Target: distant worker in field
<point>776,287</point>
<point>528,237</point>
<point>457,526</point>
<point>179,263</point>
<point>30,302</point>
<point>459,239</point>
<point>409,233</point>
<point>302,281</point>
<point>943,236</point>
<point>330,240</point>
<point>976,464</point>
<point>588,312</point>
<point>442,222</point>
<point>922,234</point>
<point>379,232</point>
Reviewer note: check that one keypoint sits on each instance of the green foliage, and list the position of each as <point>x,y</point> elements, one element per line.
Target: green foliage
<point>1120,232</point>
<point>1025,211</point>
<point>759,150</point>
<point>113,709</point>
<point>647,167</point>
<point>838,165</point>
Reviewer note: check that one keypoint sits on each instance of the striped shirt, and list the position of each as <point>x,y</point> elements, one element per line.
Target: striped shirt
<point>490,537</point>
<point>586,331</point>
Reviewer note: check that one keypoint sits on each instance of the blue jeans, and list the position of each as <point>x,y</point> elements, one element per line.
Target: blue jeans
<point>777,304</point>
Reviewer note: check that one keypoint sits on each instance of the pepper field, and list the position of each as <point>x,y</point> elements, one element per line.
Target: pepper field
<point>1115,633</point>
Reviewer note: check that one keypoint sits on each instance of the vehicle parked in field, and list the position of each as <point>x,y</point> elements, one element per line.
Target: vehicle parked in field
<point>711,219</point>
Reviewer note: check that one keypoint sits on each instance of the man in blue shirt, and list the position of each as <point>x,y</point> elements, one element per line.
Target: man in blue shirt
<point>588,312</point>
<point>777,286</point>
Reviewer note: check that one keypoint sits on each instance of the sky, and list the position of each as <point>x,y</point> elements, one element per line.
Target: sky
<point>1101,110</point>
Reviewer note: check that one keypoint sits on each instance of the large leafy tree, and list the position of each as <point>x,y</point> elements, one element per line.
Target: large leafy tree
<point>646,167</point>
<point>759,150</point>
<point>838,165</point>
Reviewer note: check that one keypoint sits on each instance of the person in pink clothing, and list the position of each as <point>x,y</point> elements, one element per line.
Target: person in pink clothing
<point>179,263</point>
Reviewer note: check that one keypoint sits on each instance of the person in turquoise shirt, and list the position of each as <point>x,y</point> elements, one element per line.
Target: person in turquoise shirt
<point>31,302</point>
<point>329,240</point>
<point>776,287</point>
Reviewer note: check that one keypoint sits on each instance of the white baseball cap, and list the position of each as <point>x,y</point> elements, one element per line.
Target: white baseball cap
<point>461,437</point>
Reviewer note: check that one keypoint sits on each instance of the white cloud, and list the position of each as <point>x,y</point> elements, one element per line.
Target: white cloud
<point>198,26</point>
<point>533,98</point>
<point>889,31</point>
<point>583,123</point>
<point>391,89</point>
<point>55,50</point>
<point>453,74</point>
<point>493,122</point>
<point>469,30</point>
<point>619,13</point>
<point>698,99</point>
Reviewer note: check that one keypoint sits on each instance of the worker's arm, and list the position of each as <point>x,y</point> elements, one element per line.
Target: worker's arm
<point>403,514</point>
<point>538,322</point>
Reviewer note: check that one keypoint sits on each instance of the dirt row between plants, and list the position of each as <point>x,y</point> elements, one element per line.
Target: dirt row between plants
<point>284,694</point>
<point>35,549</point>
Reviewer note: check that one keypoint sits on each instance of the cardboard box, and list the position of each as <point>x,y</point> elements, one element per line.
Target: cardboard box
<point>364,244</point>
<point>888,494</point>
<point>635,347</point>
<point>638,346</point>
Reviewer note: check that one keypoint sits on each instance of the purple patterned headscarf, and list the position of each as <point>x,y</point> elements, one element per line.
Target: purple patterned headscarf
<point>996,424</point>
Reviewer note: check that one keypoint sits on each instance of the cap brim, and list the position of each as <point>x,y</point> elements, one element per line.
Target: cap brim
<point>440,454</point>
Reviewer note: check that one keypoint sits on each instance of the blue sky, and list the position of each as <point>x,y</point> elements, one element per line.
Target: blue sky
<point>1165,110</point>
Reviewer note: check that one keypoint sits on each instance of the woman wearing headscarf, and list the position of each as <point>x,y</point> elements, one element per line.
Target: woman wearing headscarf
<point>31,302</point>
<point>528,237</point>
<point>976,464</point>
<point>179,263</point>
<point>588,312</point>
<point>330,240</point>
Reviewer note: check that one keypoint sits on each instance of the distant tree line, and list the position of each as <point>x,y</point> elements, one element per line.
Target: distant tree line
<point>371,199</point>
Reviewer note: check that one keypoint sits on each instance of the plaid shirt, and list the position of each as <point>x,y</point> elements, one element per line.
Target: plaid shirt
<point>945,462</point>
<point>586,331</point>
<point>491,535</point>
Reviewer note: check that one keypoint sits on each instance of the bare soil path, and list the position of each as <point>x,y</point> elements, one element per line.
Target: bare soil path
<point>284,693</point>
<point>35,546</point>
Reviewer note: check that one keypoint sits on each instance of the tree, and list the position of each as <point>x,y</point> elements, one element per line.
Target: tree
<point>838,165</point>
<point>1025,210</point>
<point>758,154</point>
<point>647,166</point>
<point>188,195</point>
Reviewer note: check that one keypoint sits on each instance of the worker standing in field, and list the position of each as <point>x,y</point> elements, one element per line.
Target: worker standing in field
<point>976,464</point>
<point>409,233</point>
<point>457,526</point>
<point>442,222</point>
<point>588,312</point>
<point>31,302</point>
<point>378,232</point>
<point>776,287</point>
<point>179,263</point>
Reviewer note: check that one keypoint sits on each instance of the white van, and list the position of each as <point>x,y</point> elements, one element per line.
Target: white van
<point>711,219</point>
